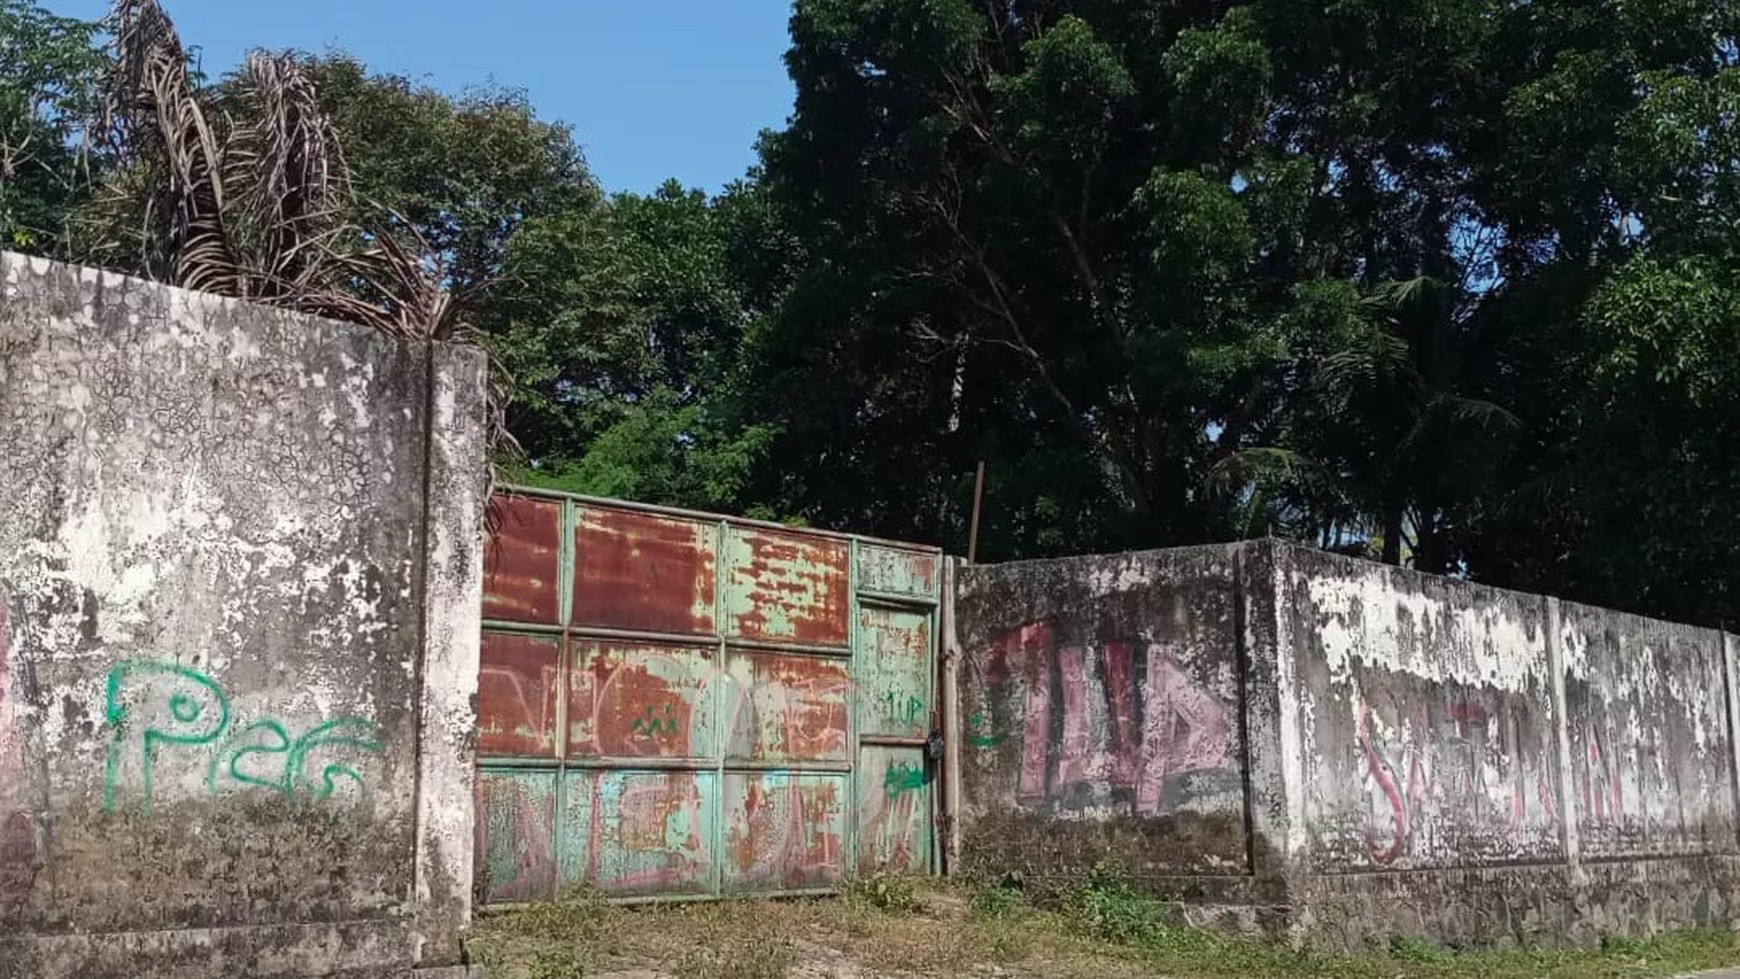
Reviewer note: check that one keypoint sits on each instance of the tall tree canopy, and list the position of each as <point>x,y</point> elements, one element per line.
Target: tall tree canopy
<point>1448,280</point>
<point>1452,283</point>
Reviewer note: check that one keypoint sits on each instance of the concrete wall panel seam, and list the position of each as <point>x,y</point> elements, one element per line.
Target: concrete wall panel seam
<point>1731,673</point>
<point>1561,732</point>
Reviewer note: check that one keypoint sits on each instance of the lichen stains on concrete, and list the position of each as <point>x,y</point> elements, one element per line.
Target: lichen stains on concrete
<point>214,540</point>
<point>1458,762</point>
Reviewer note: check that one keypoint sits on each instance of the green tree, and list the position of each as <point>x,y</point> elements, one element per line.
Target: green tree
<point>1620,497</point>
<point>625,326</point>
<point>50,68</point>
<point>1445,279</point>
<point>466,170</point>
<point>1071,239</point>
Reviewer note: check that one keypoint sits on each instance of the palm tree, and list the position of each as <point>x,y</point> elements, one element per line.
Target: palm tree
<point>238,190</point>
<point>1383,445</point>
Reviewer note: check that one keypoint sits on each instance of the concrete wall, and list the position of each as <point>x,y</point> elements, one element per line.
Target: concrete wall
<point>1100,707</point>
<point>1425,719</point>
<point>1420,755</point>
<point>237,547</point>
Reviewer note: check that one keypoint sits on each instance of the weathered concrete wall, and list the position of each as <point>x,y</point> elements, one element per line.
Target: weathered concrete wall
<point>1100,699</point>
<point>1426,720</point>
<point>236,545</point>
<point>1481,766</point>
<point>1651,756</point>
<point>1419,755</point>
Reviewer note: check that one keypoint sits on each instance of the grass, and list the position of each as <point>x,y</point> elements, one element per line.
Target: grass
<point>1105,929</point>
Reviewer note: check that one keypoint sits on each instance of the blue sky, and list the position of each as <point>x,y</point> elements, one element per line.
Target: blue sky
<point>653,88</point>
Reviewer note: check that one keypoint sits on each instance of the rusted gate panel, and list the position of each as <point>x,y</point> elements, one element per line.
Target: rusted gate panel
<point>675,704</point>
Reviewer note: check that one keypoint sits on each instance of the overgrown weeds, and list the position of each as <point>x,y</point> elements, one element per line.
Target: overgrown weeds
<point>893,893</point>
<point>547,940</point>
<point>1105,928</point>
<point>1110,908</point>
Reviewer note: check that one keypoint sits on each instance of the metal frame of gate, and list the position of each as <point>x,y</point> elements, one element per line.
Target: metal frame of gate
<point>685,705</point>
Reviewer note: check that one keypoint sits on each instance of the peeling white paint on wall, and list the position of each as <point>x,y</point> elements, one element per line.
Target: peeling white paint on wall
<point>1362,618</point>
<point>213,530</point>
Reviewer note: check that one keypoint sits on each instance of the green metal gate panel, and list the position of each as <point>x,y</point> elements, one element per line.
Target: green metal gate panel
<point>894,810</point>
<point>677,705</point>
<point>785,831</point>
<point>630,701</point>
<point>644,833</point>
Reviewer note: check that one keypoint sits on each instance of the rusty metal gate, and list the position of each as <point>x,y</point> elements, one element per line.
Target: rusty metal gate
<point>675,704</point>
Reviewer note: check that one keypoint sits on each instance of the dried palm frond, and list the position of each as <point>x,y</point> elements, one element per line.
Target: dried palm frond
<point>245,195</point>
<point>150,115</point>
<point>281,167</point>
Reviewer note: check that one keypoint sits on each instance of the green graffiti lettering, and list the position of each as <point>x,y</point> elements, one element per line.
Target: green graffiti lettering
<point>152,704</point>
<point>651,723</point>
<point>901,707</point>
<point>198,712</point>
<point>902,777</point>
<point>979,733</point>
<point>346,732</point>
<point>239,746</point>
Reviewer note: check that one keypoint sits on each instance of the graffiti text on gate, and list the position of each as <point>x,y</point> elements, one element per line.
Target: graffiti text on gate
<point>153,707</point>
<point>1160,732</point>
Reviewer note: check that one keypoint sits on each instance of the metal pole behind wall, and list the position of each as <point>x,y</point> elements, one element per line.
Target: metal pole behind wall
<point>978,500</point>
<point>951,711</point>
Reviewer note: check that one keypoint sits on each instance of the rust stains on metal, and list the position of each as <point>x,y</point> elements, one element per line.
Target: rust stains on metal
<point>641,700</point>
<point>633,833</point>
<point>897,571</point>
<point>787,708</point>
<point>516,695</point>
<point>643,572</point>
<point>516,852</point>
<point>787,587</point>
<point>522,561</point>
<point>784,831</point>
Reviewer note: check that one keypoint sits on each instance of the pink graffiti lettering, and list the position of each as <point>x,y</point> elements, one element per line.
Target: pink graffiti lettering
<point>1076,763</point>
<point>1184,728</point>
<point>1379,770</point>
<point>1121,691</point>
<point>1603,799</point>
<point>1030,645</point>
<point>1460,772</point>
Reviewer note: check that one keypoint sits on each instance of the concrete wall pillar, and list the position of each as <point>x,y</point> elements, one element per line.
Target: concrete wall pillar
<point>1561,735</point>
<point>455,498</point>
<point>1269,713</point>
<point>1731,671</point>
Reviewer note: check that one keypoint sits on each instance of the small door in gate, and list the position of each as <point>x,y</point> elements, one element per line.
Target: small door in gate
<point>894,667</point>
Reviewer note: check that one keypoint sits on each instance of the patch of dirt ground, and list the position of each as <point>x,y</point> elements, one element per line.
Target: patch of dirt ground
<point>931,929</point>
<point>937,935</point>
